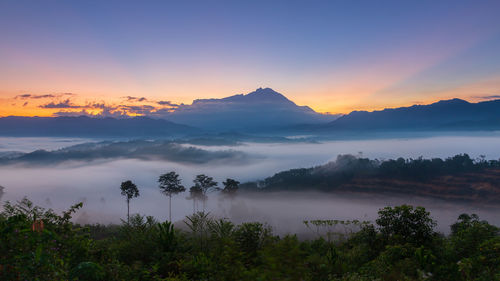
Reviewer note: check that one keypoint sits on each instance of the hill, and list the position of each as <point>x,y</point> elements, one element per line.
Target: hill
<point>454,178</point>
<point>91,127</point>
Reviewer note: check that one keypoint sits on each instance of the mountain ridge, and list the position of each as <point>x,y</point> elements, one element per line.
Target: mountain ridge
<point>84,126</point>
<point>265,111</point>
<point>438,115</point>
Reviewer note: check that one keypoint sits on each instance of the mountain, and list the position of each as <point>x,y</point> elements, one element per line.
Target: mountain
<point>261,110</point>
<point>454,114</point>
<point>91,127</point>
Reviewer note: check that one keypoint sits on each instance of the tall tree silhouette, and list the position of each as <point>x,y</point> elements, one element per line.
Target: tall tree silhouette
<point>1,191</point>
<point>202,184</point>
<point>195,193</point>
<point>230,187</point>
<point>129,190</point>
<point>170,184</point>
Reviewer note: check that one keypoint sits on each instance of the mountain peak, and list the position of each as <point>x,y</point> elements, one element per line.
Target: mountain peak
<point>264,91</point>
<point>265,95</point>
<point>455,101</point>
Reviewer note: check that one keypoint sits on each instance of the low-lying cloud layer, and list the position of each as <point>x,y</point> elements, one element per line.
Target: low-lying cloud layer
<point>139,149</point>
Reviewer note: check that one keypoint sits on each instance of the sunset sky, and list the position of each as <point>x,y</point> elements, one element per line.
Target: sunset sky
<point>334,56</point>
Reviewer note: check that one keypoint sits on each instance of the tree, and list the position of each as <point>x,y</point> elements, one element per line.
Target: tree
<point>129,190</point>
<point>170,184</point>
<point>469,232</point>
<point>195,193</point>
<point>230,187</point>
<point>406,224</point>
<point>202,184</point>
<point>1,191</point>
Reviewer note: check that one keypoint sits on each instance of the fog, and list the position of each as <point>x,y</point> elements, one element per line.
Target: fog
<point>27,144</point>
<point>96,183</point>
<point>135,149</point>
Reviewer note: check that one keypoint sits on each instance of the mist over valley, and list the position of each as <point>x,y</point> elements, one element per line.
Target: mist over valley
<point>91,172</point>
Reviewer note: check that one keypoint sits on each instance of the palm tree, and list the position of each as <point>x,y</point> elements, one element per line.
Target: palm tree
<point>170,184</point>
<point>129,190</point>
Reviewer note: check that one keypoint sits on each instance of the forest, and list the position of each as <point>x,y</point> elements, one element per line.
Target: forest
<point>455,178</point>
<point>401,244</point>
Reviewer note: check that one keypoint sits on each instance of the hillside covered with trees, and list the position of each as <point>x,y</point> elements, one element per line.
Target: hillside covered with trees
<point>459,177</point>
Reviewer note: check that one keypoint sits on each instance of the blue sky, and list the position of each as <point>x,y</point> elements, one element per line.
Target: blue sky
<point>335,56</point>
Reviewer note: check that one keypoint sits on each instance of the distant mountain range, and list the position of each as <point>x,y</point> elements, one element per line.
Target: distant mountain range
<point>454,114</point>
<point>267,112</point>
<point>261,110</point>
<point>84,126</point>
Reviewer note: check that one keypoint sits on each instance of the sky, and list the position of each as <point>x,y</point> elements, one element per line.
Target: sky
<point>120,57</point>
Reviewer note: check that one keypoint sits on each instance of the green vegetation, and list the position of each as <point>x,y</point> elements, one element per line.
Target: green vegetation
<point>348,168</point>
<point>458,177</point>
<point>37,244</point>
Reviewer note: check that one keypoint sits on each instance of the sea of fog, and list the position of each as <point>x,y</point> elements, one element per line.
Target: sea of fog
<point>96,183</point>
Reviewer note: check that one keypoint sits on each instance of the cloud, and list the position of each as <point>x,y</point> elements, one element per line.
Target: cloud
<point>139,149</point>
<point>64,104</point>
<point>490,97</point>
<point>136,99</point>
<point>30,96</point>
<point>107,111</point>
<point>138,109</point>
<point>156,109</point>
<point>166,102</point>
<point>25,104</point>
<point>72,113</point>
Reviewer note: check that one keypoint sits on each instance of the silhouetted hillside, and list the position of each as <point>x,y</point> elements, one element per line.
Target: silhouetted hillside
<point>458,177</point>
<point>454,114</point>
<point>91,127</point>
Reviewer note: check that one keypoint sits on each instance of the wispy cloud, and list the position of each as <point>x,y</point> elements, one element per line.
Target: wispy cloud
<point>30,96</point>
<point>140,149</point>
<point>136,99</point>
<point>64,104</point>
<point>166,102</point>
<point>69,105</point>
<point>490,97</point>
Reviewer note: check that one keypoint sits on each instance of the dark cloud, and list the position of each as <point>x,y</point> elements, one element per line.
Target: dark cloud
<point>139,149</point>
<point>72,114</point>
<point>113,110</point>
<point>169,103</point>
<point>490,97</point>
<point>107,111</point>
<point>30,96</point>
<point>130,98</point>
<point>64,104</point>
<point>25,104</point>
<point>138,109</point>
<point>25,96</point>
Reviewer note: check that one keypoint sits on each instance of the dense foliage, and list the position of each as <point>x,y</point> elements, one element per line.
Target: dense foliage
<point>37,244</point>
<point>348,168</point>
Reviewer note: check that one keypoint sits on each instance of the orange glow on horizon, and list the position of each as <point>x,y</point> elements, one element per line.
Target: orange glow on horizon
<point>321,102</point>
